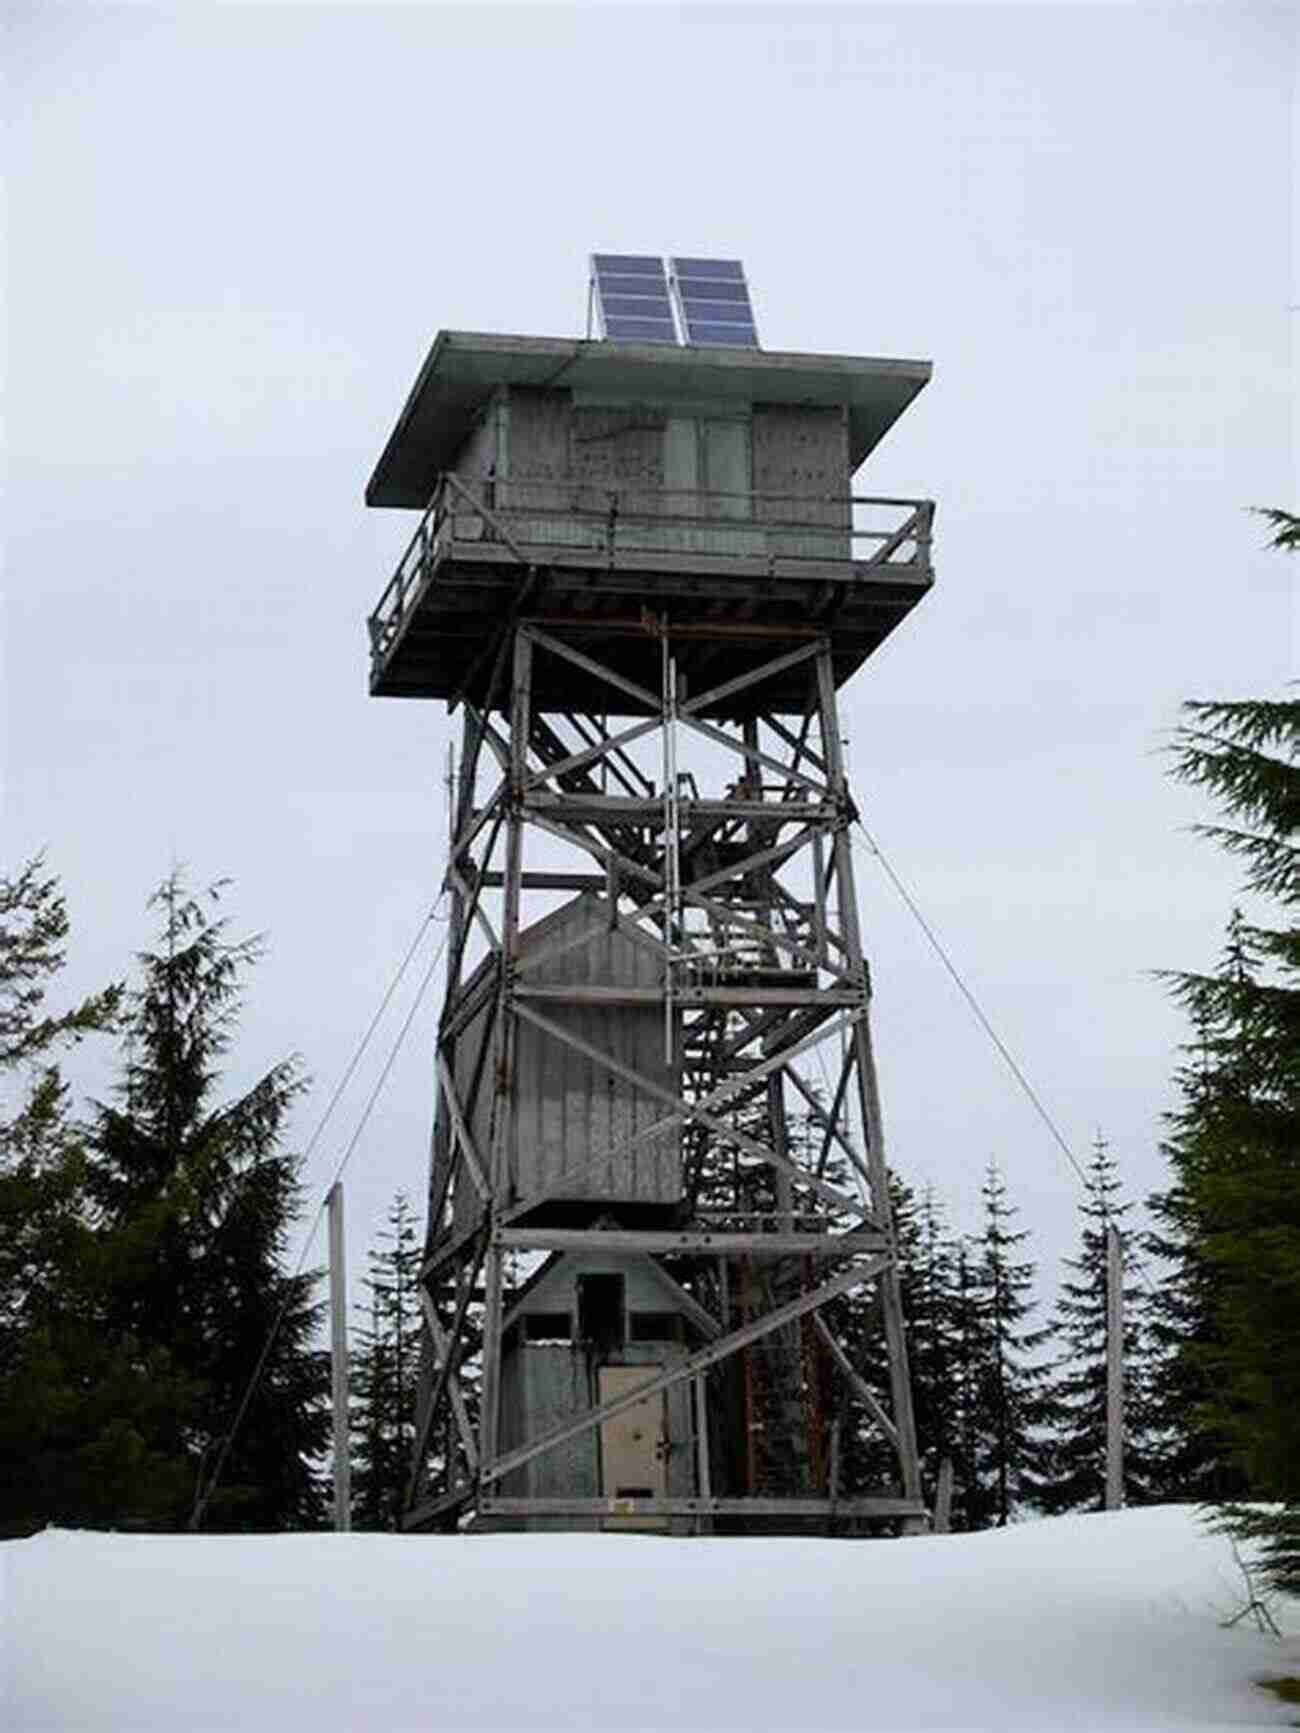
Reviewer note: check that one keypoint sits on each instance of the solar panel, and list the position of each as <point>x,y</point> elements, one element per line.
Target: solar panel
<point>713,299</point>
<point>632,298</point>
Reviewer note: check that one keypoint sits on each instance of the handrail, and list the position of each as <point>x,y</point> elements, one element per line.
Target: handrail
<point>538,519</point>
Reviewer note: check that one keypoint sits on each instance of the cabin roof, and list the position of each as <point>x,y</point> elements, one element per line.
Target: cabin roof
<point>464,368</point>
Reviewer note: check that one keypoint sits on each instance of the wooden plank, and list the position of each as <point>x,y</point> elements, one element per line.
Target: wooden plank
<point>882,1507</point>
<point>605,748</point>
<point>859,1386</point>
<point>473,1160</point>
<point>699,1111</point>
<point>548,881</point>
<point>442,1348</point>
<point>694,1242</point>
<point>574,993</point>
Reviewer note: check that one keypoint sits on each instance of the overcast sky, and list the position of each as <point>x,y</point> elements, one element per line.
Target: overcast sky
<point>234,232</point>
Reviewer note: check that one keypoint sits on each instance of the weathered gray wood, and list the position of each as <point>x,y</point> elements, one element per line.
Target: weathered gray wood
<point>446,1504</point>
<point>856,1382</point>
<point>489,517</point>
<point>590,665</point>
<point>891,1302</point>
<point>605,748</point>
<point>691,1241</point>
<point>446,1370</point>
<point>452,1249</point>
<point>473,1160</point>
<point>752,677</point>
<point>803,1508</point>
<point>703,1468</point>
<point>442,1347</point>
<point>833,1468</point>
<point>699,1361</point>
<point>696,1111</point>
<point>721,738</point>
<point>760,1028</point>
<point>943,1498</point>
<point>550,881</point>
<point>573,994</point>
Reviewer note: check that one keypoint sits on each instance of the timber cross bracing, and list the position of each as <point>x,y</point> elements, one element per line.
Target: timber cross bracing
<point>675,1065</point>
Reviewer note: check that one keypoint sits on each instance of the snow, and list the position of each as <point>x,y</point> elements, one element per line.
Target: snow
<point>1107,1623</point>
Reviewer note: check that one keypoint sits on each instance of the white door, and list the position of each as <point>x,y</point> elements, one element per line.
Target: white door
<point>633,1460</point>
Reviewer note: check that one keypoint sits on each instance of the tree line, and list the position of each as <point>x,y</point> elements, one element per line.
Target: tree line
<point>144,1242</point>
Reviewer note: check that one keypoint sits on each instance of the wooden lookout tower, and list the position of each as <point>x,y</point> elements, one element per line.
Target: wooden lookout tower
<point>658,1287</point>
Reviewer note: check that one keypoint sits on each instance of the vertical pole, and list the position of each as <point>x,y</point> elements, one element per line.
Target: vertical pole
<point>504,1105</point>
<point>943,1498</point>
<point>672,842</point>
<point>339,1364</point>
<point>891,1297</point>
<point>1114,1371</point>
<point>704,1470</point>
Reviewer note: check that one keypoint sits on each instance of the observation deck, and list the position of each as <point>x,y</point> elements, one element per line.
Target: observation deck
<point>615,491</point>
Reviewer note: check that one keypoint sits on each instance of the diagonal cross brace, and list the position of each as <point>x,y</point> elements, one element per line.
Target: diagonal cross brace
<point>698,1111</point>
<point>700,1361</point>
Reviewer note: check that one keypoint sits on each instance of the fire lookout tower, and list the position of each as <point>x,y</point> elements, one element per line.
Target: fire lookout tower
<point>658,1285</point>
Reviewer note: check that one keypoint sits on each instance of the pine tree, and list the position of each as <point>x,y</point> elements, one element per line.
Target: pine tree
<point>927,1267</point>
<point>41,1162</point>
<point>1010,1402</point>
<point>78,1406</point>
<point>196,1203</point>
<point>1196,1460</point>
<point>1234,1209</point>
<point>385,1370</point>
<point>1076,1457</point>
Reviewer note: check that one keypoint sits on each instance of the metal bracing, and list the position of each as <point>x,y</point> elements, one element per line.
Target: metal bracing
<point>722,854</point>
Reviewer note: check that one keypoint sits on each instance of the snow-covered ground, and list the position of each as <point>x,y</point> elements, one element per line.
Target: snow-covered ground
<point>1096,1622</point>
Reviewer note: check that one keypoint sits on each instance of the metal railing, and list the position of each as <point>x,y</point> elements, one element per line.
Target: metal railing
<point>535,522</point>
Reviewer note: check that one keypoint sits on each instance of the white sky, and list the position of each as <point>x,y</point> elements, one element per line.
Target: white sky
<point>233,234</point>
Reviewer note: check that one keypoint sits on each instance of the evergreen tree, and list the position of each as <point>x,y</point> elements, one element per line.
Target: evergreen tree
<point>868,1462</point>
<point>1196,1461</point>
<point>1076,1459</point>
<point>41,1161</point>
<point>196,1203</point>
<point>384,1373</point>
<point>78,1406</point>
<point>927,1255</point>
<point>1010,1402</point>
<point>1233,1213</point>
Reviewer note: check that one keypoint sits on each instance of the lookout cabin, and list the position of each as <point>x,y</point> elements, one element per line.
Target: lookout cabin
<point>610,482</point>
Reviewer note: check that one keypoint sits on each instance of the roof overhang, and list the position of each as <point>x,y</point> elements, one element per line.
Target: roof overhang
<point>465,368</point>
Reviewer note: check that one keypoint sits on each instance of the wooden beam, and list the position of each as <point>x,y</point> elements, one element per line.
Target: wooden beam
<point>691,1242</point>
<point>856,1382</point>
<point>805,1508</point>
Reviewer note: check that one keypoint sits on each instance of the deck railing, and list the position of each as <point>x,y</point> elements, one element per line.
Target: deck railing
<point>536,522</point>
